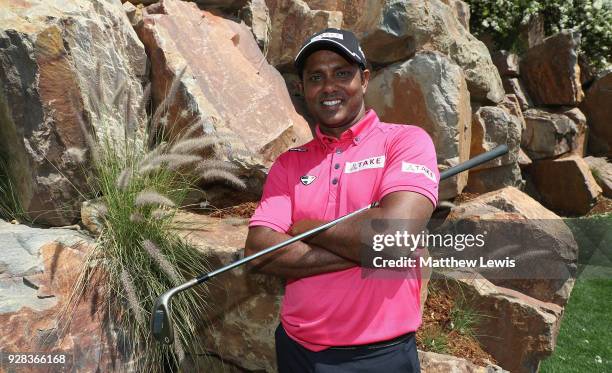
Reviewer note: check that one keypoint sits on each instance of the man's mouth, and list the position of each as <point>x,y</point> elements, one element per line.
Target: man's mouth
<point>331,103</point>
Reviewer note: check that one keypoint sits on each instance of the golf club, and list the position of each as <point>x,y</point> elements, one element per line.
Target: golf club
<point>161,323</point>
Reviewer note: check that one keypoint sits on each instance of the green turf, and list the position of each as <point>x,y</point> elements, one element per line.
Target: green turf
<point>585,339</point>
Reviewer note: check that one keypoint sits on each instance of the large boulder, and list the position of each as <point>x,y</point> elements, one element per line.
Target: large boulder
<point>493,126</point>
<point>402,28</point>
<point>56,57</point>
<point>550,71</point>
<point>245,311</point>
<point>489,179</point>
<point>574,175</point>
<point>292,22</point>
<point>601,170</point>
<point>553,132</point>
<point>519,227</point>
<point>227,85</point>
<point>429,91</point>
<point>517,330</point>
<point>38,271</point>
<point>596,106</point>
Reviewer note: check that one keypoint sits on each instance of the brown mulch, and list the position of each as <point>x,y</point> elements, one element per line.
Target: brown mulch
<point>602,206</point>
<point>436,319</point>
<point>243,210</point>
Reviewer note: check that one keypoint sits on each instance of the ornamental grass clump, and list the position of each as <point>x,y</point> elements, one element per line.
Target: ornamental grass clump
<point>141,182</point>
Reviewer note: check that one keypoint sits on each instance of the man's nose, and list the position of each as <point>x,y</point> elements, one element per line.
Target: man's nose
<point>329,85</point>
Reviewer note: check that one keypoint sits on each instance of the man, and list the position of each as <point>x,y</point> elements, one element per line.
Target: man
<point>333,319</point>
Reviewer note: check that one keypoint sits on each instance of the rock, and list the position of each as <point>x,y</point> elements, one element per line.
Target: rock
<point>292,22</point>
<point>402,28</point>
<point>493,126</point>
<point>598,110</point>
<point>133,13</point>
<point>250,106</point>
<point>461,10</point>
<point>550,133</point>
<point>517,330</point>
<point>229,6</point>
<point>577,181</point>
<point>432,362</point>
<point>515,86</point>
<point>507,63</point>
<point>512,104</point>
<point>523,159</point>
<point>550,71</point>
<point>245,311</point>
<point>601,170</point>
<point>40,267</point>
<point>517,223</point>
<point>532,32</point>
<point>256,15</point>
<point>49,53</point>
<point>439,102</point>
<point>580,141</point>
<point>489,179</point>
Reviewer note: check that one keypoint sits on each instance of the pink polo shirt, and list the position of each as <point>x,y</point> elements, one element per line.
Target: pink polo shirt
<point>325,179</point>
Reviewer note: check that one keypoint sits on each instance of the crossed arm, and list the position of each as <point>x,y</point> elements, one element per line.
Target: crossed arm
<point>338,247</point>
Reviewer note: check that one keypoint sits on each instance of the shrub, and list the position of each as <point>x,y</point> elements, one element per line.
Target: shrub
<point>137,255</point>
<point>502,19</point>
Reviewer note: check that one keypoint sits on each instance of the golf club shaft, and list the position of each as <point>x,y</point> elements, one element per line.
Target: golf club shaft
<point>161,322</point>
<point>479,159</point>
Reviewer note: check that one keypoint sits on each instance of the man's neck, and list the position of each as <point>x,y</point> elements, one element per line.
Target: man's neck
<point>338,131</point>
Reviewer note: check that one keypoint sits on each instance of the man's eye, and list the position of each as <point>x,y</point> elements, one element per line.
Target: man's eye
<point>314,77</point>
<point>343,74</point>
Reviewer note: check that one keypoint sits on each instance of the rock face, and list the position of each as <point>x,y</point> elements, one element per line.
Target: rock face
<point>244,314</point>
<point>602,172</point>
<point>500,211</point>
<point>52,54</point>
<point>507,63</point>
<point>578,182</point>
<point>515,86</point>
<point>518,331</point>
<point>256,15</point>
<point>461,10</point>
<point>292,22</point>
<point>550,133</point>
<point>38,271</point>
<point>432,362</point>
<point>493,126</point>
<point>249,106</point>
<point>428,91</point>
<point>488,179</point>
<point>598,110</point>
<point>551,73</point>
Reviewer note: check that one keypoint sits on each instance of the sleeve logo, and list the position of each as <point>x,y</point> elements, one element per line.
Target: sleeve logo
<point>418,169</point>
<point>374,162</point>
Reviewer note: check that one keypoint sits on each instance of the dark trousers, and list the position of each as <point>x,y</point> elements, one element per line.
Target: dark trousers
<point>293,358</point>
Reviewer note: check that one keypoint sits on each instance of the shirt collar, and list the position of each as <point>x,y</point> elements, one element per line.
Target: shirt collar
<point>355,133</point>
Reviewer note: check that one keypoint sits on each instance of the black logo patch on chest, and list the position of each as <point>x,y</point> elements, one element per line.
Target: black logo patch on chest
<point>307,179</point>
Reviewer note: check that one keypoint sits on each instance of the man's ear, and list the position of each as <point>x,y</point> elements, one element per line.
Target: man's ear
<point>300,86</point>
<point>365,80</point>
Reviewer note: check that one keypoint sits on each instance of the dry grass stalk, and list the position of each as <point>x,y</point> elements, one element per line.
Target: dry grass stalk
<point>149,197</point>
<point>136,217</point>
<point>171,161</point>
<point>165,104</point>
<point>123,181</point>
<point>130,292</point>
<point>163,263</point>
<point>194,145</point>
<point>222,175</point>
<point>208,164</point>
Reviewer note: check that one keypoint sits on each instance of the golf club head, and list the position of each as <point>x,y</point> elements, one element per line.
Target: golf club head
<point>161,323</point>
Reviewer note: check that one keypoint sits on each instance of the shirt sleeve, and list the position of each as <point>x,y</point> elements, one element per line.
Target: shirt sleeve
<point>275,209</point>
<point>411,164</point>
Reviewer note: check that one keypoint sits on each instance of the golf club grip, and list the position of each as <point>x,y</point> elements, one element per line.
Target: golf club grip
<point>477,160</point>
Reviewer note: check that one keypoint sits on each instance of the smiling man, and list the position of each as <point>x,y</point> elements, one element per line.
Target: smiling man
<point>333,318</point>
